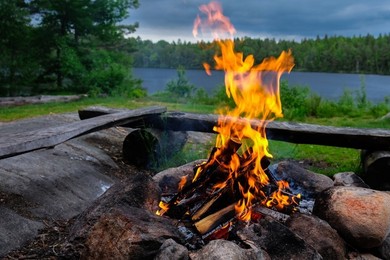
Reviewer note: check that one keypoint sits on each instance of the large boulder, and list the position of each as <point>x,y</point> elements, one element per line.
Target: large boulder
<point>51,184</point>
<point>303,181</point>
<point>128,233</point>
<point>277,240</point>
<point>360,215</point>
<point>319,234</point>
<point>223,249</point>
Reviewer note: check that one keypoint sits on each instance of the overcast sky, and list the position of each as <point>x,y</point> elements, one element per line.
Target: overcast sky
<point>171,20</point>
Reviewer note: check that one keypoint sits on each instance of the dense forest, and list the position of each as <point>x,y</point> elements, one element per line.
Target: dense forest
<point>50,46</point>
<point>361,54</point>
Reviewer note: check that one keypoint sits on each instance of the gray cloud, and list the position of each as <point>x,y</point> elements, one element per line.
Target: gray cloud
<point>289,19</point>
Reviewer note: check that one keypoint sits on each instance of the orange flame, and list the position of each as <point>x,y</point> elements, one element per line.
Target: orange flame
<point>255,91</point>
<point>182,183</point>
<point>220,24</point>
<point>163,208</point>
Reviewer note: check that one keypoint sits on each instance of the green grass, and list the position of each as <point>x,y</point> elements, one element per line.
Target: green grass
<point>363,121</point>
<point>322,159</point>
<point>318,158</point>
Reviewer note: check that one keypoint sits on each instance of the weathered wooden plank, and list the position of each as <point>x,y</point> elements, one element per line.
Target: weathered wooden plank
<point>300,133</point>
<point>13,144</point>
<point>359,138</point>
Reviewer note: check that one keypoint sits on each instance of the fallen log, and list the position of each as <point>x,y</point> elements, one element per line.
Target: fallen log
<point>14,144</point>
<point>300,133</point>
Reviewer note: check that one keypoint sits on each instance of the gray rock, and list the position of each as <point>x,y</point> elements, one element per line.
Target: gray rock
<point>223,249</point>
<point>277,240</point>
<point>362,256</point>
<point>15,230</point>
<point>136,191</point>
<point>319,234</point>
<point>348,179</point>
<point>170,250</point>
<point>384,249</point>
<point>128,233</point>
<point>302,181</point>
<point>55,184</point>
<point>361,216</point>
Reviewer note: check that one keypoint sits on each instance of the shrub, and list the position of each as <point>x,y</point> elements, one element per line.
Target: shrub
<point>220,97</point>
<point>327,109</point>
<point>346,103</point>
<point>381,109</point>
<point>294,100</point>
<point>313,104</point>
<point>201,97</point>
<point>180,87</point>
<point>108,75</point>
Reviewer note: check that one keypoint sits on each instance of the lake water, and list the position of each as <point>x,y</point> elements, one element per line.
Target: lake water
<point>327,85</point>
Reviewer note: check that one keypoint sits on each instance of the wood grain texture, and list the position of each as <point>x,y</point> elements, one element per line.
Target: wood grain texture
<point>13,144</point>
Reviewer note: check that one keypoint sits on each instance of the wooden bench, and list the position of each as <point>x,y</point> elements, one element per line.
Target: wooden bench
<point>14,144</point>
<point>97,118</point>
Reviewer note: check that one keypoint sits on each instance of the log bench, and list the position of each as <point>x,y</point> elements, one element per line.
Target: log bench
<point>14,144</point>
<point>376,141</point>
<point>300,133</point>
<point>98,118</point>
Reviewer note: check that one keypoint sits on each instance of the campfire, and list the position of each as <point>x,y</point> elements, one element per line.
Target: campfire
<point>226,190</point>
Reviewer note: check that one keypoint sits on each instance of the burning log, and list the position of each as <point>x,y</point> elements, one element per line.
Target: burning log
<point>210,201</point>
<point>216,219</point>
<point>234,178</point>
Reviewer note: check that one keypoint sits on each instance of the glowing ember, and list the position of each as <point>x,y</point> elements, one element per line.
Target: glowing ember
<point>240,148</point>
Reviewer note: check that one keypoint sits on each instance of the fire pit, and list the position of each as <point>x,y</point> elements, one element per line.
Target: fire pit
<point>235,179</point>
<point>236,204</point>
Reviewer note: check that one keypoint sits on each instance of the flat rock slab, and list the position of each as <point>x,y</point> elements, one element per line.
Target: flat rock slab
<point>50,184</point>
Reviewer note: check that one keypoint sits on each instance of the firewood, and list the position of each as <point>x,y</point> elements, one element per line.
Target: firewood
<point>216,201</point>
<point>210,222</point>
<point>271,213</point>
<point>205,207</point>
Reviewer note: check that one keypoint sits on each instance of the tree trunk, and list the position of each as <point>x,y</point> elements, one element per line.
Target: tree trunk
<point>59,69</point>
